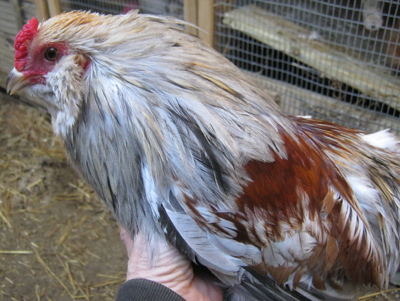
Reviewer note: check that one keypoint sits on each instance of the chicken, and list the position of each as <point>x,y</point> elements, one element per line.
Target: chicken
<point>182,147</point>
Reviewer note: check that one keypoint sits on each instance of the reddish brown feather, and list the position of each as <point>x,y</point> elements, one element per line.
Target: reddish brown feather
<point>360,265</point>
<point>275,191</point>
<point>275,186</point>
<point>273,196</point>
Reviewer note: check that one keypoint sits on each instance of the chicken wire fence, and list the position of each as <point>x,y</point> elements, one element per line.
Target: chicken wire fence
<point>335,60</point>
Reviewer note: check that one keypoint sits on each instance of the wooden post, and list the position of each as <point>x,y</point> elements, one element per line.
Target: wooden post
<point>201,14</point>
<point>190,15</point>
<point>205,19</point>
<point>54,7</point>
<point>42,9</point>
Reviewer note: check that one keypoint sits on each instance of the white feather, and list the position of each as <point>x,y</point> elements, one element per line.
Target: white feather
<point>382,139</point>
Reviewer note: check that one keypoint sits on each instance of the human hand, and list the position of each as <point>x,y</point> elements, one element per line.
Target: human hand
<point>168,267</point>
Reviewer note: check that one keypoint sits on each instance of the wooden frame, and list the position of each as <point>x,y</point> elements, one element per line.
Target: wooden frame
<point>47,8</point>
<point>201,14</point>
<point>42,10</point>
<point>54,7</point>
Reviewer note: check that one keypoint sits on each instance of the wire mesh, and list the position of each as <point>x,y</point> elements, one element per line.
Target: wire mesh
<point>342,34</point>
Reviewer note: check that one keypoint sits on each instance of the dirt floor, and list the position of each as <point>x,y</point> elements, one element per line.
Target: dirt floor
<point>57,240</point>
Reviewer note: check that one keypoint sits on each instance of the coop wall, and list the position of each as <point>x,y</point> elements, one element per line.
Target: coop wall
<point>336,60</point>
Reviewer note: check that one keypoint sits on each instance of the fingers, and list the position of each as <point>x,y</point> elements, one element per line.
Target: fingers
<point>160,262</point>
<point>127,240</point>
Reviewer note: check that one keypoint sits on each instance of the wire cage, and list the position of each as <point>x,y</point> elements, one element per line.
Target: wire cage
<point>337,60</point>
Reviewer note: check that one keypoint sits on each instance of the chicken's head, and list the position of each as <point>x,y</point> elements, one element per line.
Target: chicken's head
<point>49,68</point>
<point>37,55</point>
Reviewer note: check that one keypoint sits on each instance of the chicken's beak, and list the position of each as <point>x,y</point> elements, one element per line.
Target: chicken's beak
<point>16,81</point>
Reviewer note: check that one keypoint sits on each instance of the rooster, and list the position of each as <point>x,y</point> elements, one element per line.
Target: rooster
<point>182,147</point>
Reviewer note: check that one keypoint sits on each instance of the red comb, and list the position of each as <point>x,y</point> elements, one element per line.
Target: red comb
<point>26,34</point>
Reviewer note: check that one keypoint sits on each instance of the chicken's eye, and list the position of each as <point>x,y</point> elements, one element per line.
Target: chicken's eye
<point>51,54</point>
